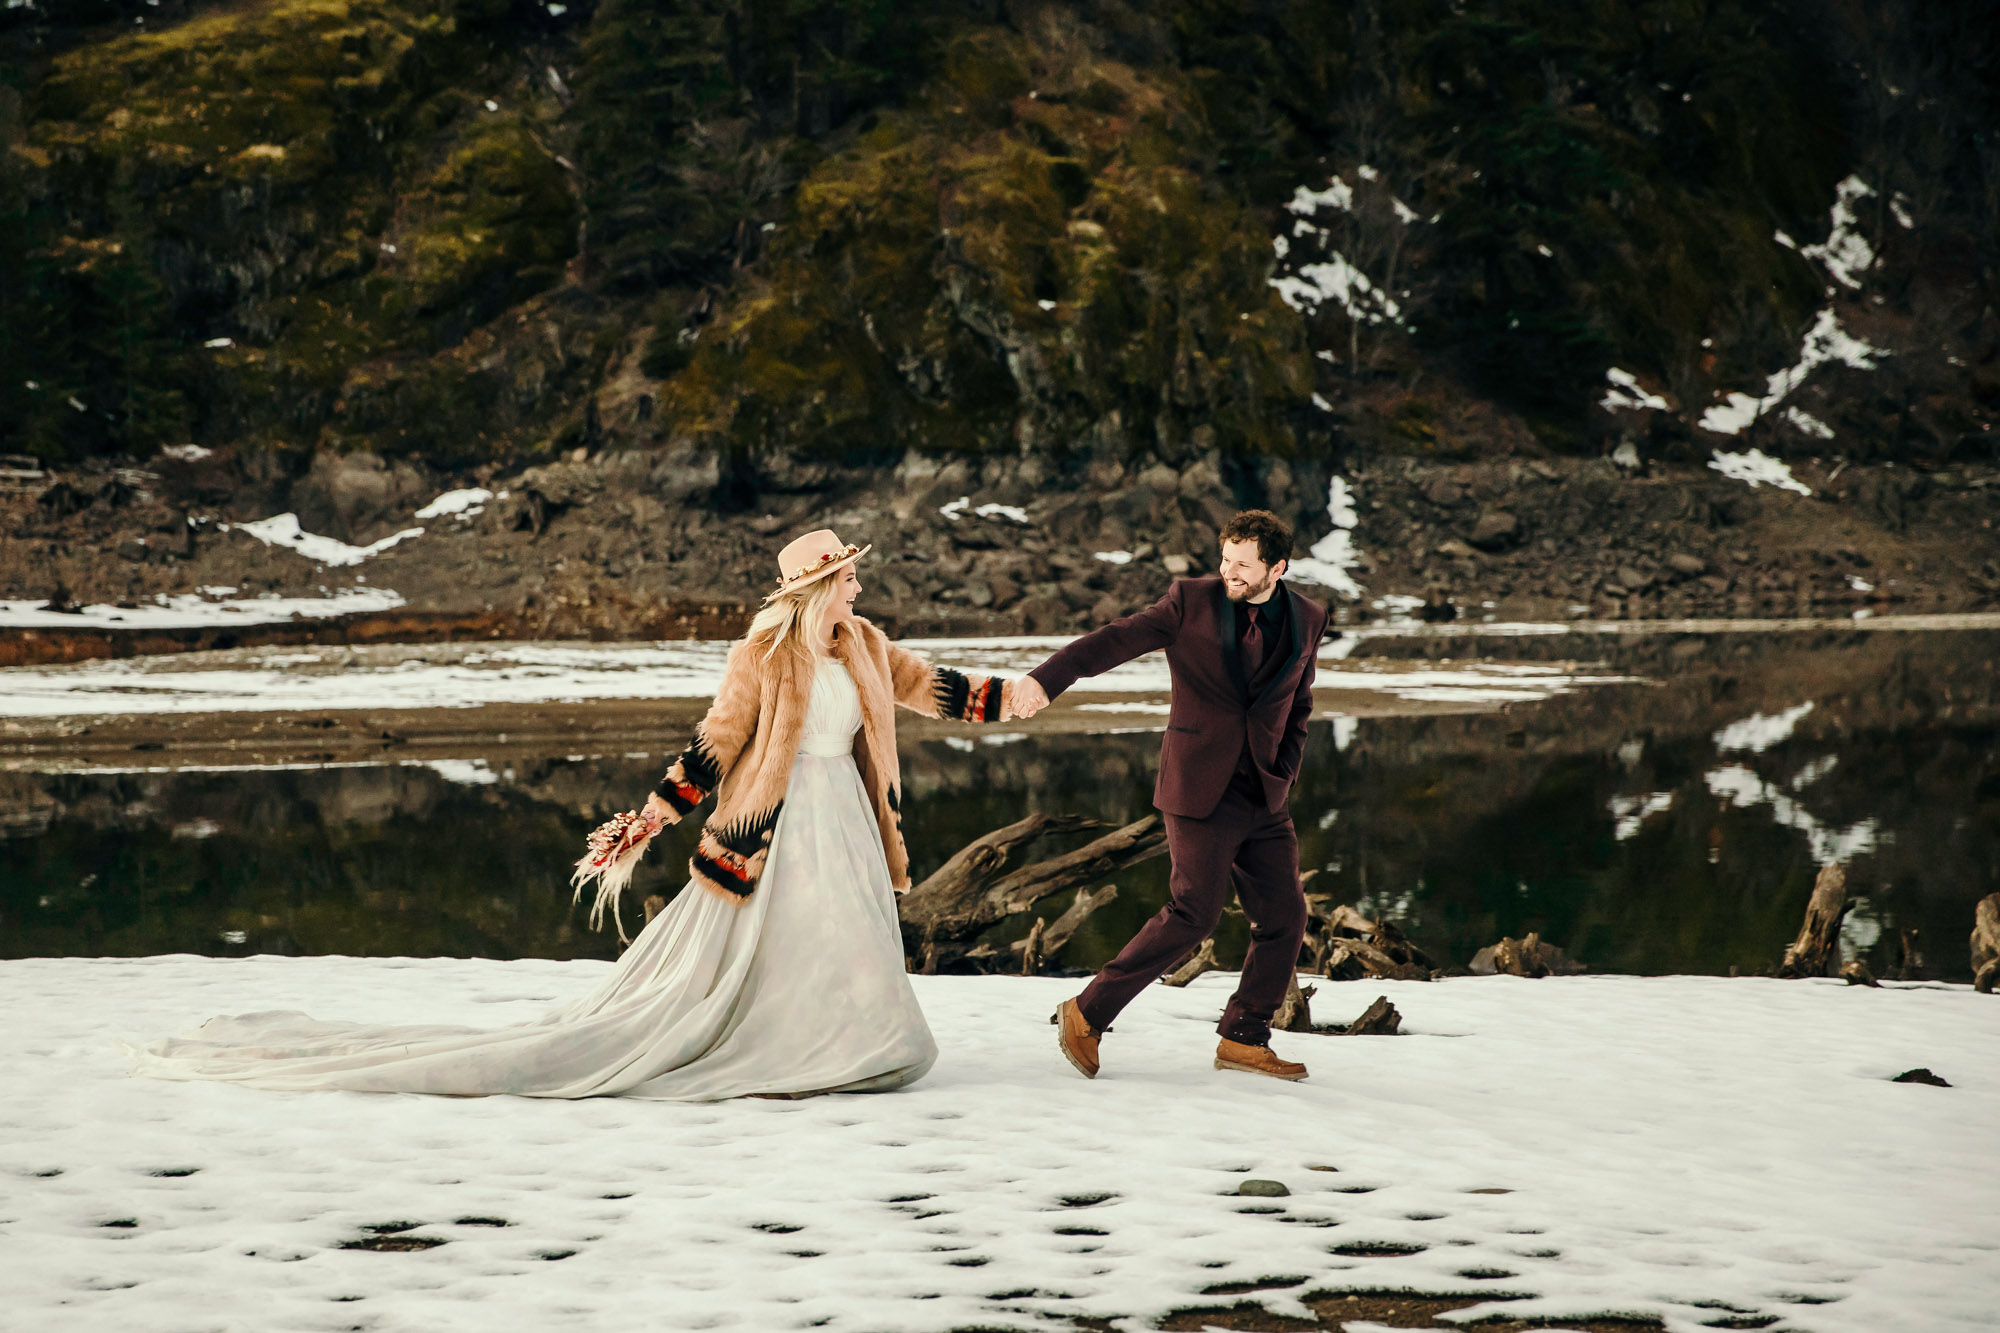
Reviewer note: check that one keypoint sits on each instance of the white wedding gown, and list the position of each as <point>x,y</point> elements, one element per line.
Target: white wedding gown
<point>801,989</point>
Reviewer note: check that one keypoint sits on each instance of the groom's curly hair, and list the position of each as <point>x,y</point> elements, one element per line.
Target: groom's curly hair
<point>1272,534</point>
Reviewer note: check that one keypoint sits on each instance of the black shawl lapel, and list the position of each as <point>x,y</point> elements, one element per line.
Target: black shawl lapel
<point>1232,652</point>
<point>1297,617</point>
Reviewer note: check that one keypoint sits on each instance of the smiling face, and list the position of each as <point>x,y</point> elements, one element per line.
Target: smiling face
<point>840,605</point>
<point>1245,576</point>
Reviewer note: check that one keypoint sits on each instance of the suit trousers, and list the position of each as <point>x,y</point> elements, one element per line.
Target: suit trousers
<point>1244,841</point>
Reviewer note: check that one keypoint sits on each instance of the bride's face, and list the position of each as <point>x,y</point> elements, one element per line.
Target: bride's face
<point>846,587</point>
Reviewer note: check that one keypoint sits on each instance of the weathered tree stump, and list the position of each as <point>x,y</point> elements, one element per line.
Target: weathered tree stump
<point>1203,960</point>
<point>1816,952</point>
<point>1986,944</point>
<point>1856,973</point>
<point>1295,1013</point>
<point>983,883</point>
<point>1379,1019</point>
<point>1531,956</point>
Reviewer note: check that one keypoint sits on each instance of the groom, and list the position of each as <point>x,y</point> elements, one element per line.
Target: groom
<point>1241,650</point>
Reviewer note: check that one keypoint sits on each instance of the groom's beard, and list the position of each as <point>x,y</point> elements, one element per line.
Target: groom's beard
<point>1249,589</point>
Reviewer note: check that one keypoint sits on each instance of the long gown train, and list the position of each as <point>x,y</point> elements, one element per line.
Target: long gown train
<point>800,989</point>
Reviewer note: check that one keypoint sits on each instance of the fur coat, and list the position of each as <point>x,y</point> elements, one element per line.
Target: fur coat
<point>743,749</point>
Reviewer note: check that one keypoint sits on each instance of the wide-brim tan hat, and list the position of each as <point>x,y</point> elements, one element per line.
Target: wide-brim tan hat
<point>808,559</point>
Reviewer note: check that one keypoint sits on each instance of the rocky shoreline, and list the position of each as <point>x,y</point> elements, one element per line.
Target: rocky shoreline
<point>636,544</point>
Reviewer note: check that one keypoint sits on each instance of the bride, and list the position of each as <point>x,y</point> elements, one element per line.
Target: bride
<point>777,971</point>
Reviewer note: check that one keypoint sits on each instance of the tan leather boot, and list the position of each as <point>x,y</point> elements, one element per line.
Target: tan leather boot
<point>1256,1060</point>
<point>1077,1038</point>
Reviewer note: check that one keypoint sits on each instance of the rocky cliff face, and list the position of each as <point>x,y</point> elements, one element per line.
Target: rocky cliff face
<point>1130,261</point>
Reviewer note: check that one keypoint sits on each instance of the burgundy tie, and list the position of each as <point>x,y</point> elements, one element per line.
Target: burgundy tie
<point>1253,644</point>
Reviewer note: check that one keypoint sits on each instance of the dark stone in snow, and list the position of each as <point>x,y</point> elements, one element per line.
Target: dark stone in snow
<point>1920,1076</point>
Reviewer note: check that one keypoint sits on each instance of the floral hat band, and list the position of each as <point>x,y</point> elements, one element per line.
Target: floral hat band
<point>811,558</point>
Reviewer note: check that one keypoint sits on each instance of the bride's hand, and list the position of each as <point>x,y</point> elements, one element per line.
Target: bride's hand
<point>656,812</point>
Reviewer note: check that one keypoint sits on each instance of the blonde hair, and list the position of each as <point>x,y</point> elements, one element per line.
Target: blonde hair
<point>791,620</point>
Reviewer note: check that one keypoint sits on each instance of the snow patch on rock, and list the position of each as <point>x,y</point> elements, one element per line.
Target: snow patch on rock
<point>283,530</point>
<point>1756,468</point>
<point>1333,557</point>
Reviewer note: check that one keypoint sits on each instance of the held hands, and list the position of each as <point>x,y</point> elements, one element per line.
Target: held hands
<point>1025,698</point>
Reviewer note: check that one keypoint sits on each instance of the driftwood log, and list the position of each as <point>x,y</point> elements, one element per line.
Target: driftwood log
<point>1910,962</point>
<point>1379,1019</point>
<point>1347,946</point>
<point>1986,944</point>
<point>1531,956</point>
<point>989,879</point>
<point>1816,952</point>
<point>1200,961</point>
<point>1047,940</point>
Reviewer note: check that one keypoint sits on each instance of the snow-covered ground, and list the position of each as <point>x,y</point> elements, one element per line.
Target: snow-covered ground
<point>1683,1147</point>
<point>465,675</point>
<point>212,606</point>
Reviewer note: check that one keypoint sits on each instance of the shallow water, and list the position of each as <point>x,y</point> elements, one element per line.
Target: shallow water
<point>1674,825</point>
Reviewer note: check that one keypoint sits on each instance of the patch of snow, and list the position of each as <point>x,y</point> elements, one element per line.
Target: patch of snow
<point>1545,252</point>
<point>1814,771</point>
<point>1859,584</point>
<point>957,509</point>
<point>1632,811</point>
<point>1845,252</point>
<point>1824,342</point>
<point>186,453</point>
<point>1744,789</point>
<point>1367,173</point>
<point>1128,706</point>
<point>1321,403</point>
<point>465,772</point>
<point>283,530</point>
<point>1404,213</point>
<point>869,1212</point>
<point>1332,560</point>
<point>1046,305</point>
<point>1898,208</point>
<point>492,105</point>
<point>1627,393</point>
<point>465,503</point>
<point>1114,557</point>
<point>1760,731</point>
<point>1782,239</point>
<point>189,610</point>
<point>1808,424</point>
<point>1334,279</point>
<point>1338,195</point>
<point>1758,469</point>
<point>197,829</point>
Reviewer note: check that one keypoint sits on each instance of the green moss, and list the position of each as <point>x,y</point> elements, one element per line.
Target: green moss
<point>987,270</point>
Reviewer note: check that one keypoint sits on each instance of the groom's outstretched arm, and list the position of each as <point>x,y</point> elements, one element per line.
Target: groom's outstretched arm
<point>1115,644</point>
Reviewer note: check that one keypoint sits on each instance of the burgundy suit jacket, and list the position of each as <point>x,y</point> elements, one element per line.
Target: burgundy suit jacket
<point>1213,714</point>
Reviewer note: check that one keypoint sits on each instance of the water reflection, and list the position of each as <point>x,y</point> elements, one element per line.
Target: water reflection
<point>1669,827</point>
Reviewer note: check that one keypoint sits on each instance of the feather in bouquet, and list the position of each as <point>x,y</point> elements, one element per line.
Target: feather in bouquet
<point>615,847</point>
